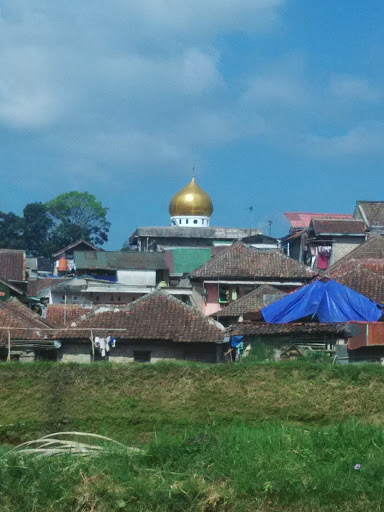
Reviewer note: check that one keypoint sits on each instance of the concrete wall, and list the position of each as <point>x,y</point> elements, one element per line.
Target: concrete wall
<point>80,352</point>
<point>137,277</point>
<point>344,245</point>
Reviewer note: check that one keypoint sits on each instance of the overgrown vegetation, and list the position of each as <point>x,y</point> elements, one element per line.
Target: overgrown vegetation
<point>245,437</point>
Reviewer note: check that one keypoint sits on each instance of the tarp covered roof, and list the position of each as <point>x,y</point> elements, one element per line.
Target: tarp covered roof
<point>328,300</point>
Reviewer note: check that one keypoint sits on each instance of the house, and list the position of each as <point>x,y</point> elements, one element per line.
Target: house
<point>363,269</point>
<point>38,267</point>
<point>124,267</point>
<point>365,344</point>
<point>24,335</point>
<point>13,266</point>
<point>64,258</point>
<point>325,300</point>
<point>302,220</point>
<point>249,303</point>
<point>325,241</point>
<point>372,214</point>
<point>240,268</point>
<point>313,318</point>
<point>155,327</point>
<point>288,340</point>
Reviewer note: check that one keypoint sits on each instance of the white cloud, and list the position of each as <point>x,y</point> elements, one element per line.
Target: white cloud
<point>349,87</point>
<point>364,139</point>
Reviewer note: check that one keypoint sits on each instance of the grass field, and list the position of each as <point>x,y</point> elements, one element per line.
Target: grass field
<point>245,437</point>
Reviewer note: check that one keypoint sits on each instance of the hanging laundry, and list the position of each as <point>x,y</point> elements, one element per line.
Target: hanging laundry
<point>102,347</point>
<point>322,262</point>
<point>71,265</point>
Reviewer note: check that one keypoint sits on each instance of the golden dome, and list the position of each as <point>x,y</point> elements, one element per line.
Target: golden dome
<point>191,200</point>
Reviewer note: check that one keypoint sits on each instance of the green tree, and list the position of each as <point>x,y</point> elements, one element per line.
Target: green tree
<point>11,231</point>
<point>37,229</point>
<point>77,215</point>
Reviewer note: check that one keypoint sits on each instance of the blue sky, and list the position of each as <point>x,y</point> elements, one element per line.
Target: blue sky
<point>277,104</point>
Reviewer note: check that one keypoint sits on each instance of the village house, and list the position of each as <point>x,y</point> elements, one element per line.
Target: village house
<point>317,317</point>
<point>251,302</point>
<point>155,327</point>
<point>363,269</point>
<point>63,260</point>
<point>24,335</point>
<point>372,214</point>
<point>325,239</point>
<point>240,268</point>
<point>289,341</point>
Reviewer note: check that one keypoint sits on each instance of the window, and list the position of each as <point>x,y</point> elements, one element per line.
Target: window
<point>97,298</point>
<point>223,294</point>
<point>119,299</point>
<point>179,221</point>
<point>195,221</point>
<point>186,221</point>
<point>142,356</point>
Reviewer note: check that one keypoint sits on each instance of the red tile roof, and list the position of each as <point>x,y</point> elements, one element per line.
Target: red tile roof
<point>303,219</point>
<point>23,323</point>
<point>75,244</point>
<point>249,328</point>
<point>37,285</point>
<point>156,316</point>
<point>375,266</point>
<point>61,315</point>
<point>363,281</point>
<point>373,212</point>
<point>253,301</point>
<point>373,248</point>
<point>338,226</point>
<point>244,262</point>
<point>12,264</point>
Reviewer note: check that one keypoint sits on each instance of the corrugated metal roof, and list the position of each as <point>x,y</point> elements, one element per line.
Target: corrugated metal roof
<point>303,219</point>
<point>186,260</point>
<point>117,260</point>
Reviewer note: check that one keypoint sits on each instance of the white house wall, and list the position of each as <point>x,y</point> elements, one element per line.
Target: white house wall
<point>137,277</point>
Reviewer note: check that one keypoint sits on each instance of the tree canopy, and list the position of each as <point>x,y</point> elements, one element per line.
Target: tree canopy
<point>46,228</point>
<point>78,215</point>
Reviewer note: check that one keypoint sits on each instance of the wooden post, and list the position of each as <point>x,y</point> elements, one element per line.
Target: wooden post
<point>93,346</point>
<point>9,345</point>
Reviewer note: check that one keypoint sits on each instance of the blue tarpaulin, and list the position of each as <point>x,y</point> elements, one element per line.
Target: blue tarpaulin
<point>329,300</point>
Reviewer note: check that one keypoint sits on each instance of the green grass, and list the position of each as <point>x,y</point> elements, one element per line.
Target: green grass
<point>235,468</point>
<point>244,437</point>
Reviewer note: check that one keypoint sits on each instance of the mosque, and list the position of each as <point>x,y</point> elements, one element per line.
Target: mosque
<point>190,210</point>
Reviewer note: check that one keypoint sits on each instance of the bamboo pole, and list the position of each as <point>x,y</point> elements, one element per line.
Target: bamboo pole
<point>93,346</point>
<point>9,345</point>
